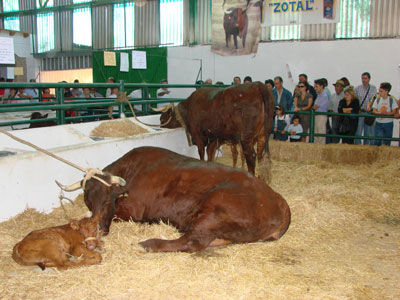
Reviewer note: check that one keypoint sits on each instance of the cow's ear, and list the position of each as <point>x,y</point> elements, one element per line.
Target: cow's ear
<point>74,224</point>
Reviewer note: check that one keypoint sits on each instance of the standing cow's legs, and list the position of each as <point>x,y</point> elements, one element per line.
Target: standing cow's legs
<point>244,39</point>
<point>227,37</point>
<point>200,142</point>
<point>260,147</point>
<point>250,154</point>
<point>235,40</point>
<point>211,150</point>
<point>234,154</point>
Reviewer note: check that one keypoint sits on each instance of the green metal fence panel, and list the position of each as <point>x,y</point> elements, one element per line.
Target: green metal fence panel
<point>100,105</point>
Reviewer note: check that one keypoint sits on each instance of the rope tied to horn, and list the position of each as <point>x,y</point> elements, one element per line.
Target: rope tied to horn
<point>121,98</point>
<point>90,173</point>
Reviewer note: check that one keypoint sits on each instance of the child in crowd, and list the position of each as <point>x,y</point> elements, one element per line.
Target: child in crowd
<point>294,129</point>
<point>281,123</point>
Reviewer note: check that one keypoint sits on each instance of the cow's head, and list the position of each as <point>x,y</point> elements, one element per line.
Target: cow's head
<point>37,115</point>
<point>100,198</point>
<point>168,116</point>
<point>231,17</point>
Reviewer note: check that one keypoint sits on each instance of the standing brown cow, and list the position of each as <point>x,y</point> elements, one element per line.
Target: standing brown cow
<point>66,246</point>
<point>235,115</point>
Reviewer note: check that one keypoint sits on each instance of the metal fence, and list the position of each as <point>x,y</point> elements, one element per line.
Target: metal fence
<point>92,109</point>
<point>89,109</point>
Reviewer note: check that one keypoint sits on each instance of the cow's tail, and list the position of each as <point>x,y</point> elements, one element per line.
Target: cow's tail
<point>268,113</point>
<point>268,99</point>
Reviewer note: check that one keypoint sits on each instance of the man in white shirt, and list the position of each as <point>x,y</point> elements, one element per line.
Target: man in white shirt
<point>136,94</point>
<point>163,93</point>
<point>114,94</point>
<point>384,105</point>
<point>365,92</point>
<point>33,93</point>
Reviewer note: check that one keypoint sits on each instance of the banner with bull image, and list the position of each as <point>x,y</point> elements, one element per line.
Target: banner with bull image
<point>284,12</point>
<point>236,26</point>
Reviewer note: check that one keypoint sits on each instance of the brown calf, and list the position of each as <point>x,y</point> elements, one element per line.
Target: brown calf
<point>66,246</point>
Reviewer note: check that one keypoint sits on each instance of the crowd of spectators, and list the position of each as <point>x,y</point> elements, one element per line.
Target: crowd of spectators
<point>290,107</point>
<point>346,99</point>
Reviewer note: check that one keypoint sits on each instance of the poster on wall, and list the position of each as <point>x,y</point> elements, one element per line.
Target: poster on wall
<point>139,60</point>
<point>235,26</point>
<point>10,73</point>
<point>124,62</point>
<point>281,12</point>
<point>109,59</point>
<point>7,51</point>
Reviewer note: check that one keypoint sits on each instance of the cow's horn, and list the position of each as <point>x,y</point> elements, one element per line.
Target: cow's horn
<point>118,180</point>
<point>227,12</point>
<point>70,188</point>
<point>164,108</point>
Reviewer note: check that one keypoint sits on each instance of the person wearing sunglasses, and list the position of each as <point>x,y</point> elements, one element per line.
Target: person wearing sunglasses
<point>303,101</point>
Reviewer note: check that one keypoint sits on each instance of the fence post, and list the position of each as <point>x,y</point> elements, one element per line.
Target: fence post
<point>145,95</point>
<point>60,100</point>
<point>121,105</point>
<point>312,122</point>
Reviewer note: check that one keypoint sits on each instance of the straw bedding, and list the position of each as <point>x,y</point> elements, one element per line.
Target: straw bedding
<point>343,242</point>
<point>117,128</point>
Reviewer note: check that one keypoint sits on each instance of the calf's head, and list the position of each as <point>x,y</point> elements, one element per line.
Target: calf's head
<point>89,229</point>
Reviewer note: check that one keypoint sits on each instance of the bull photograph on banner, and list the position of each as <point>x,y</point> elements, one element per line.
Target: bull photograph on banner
<point>236,26</point>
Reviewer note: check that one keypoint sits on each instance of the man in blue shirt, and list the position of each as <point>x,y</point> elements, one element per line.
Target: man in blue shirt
<point>320,105</point>
<point>282,96</point>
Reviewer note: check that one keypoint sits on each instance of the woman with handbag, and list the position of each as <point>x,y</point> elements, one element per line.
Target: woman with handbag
<point>347,125</point>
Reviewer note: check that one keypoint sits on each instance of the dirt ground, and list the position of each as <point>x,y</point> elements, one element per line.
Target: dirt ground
<point>343,243</point>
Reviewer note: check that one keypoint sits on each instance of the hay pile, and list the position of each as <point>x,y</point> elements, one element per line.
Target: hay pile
<point>343,243</point>
<point>117,128</point>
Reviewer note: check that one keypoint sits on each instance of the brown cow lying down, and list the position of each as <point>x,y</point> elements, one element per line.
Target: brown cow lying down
<point>209,203</point>
<point>66,246</point>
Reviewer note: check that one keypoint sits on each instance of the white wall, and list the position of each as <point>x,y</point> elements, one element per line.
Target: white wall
<point>317,59</point>
<point>27,177</point>
<point>329,59</point>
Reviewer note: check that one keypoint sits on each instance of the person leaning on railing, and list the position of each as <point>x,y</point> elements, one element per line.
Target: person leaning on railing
<point>21,95</point>
<point>384,104</point>
<point>347,125</point>
<point>46,96</point>
<point>303,102</point>
<point>11,96</point>
<point>320,105</point>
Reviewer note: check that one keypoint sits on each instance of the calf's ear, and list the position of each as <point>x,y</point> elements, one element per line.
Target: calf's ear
<point>74,224</point>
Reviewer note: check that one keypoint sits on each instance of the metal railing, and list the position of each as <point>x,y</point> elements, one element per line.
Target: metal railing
<point>98,107</point>
<point>311,135</point>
